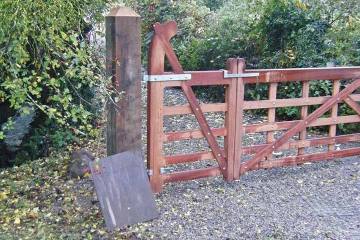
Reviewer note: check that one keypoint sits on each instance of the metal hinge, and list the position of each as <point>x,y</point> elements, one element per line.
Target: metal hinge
<point>166,77</point>
<point>149,172</point>
<point>239,75</point>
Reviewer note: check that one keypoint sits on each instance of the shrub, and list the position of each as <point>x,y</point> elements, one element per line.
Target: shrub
<point>48,63</point>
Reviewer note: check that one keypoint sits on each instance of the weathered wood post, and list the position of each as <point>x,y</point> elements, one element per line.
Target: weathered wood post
<point>123,53</point>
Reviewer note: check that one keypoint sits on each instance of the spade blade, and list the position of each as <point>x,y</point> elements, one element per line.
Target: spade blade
<point>123,189</point>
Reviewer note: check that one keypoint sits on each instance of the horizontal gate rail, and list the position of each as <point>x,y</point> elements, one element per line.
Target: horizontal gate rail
<point>302,74</point>
<point>314,157</point>
<point>288,124</point>
<point>315,142</point>
<point>179,110</point>
<point>293,102</point>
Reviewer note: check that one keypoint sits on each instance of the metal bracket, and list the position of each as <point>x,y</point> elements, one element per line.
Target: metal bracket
<point>239,75</point>
<point>165,169</point>
<point>149,172</point>
<point>166,77</point>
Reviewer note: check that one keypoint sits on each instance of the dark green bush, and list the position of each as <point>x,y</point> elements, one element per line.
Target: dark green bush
<point>276,34</point>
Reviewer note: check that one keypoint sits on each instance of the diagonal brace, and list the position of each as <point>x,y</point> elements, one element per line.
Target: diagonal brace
<point>351,103</point>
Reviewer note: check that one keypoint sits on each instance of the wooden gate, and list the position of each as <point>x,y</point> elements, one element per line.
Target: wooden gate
<point>231,161</point>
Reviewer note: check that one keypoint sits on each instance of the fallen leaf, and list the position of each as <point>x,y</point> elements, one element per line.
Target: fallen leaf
<point>32,215</point>
<point>17,221</point>
<point>3,196</point>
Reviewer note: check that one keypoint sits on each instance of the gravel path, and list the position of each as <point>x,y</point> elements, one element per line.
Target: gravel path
<point>312,201</point>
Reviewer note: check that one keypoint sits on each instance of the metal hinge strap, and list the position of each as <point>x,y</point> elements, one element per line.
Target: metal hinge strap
<point>166,77</point>
<point>239,75</point>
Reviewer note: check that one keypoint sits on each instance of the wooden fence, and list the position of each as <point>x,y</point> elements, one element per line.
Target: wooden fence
<point>232,162</point>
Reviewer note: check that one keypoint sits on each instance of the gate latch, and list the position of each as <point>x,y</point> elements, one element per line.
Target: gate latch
<point>239,75</point>
<point>166,77</point>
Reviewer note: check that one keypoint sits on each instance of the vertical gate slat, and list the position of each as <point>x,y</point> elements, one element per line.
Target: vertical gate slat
<point>303,114</point>
<point>271,116</point>
<point>240,90</point>
<point>230,118</point>
<point>155,132</point>
<point>334,113</point>
<point>155,110</point>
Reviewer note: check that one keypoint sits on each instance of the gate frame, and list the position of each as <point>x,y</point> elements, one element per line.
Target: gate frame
<point>234,106</point>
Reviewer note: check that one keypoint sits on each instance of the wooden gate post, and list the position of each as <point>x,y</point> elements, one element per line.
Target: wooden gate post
<point>123,54</point>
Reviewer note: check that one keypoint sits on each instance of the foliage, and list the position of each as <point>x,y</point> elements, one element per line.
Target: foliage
<point>192,19</point>
<point>296,34</point>
<point>48,62</point>
<point>212,4</point>
<point>275,34</point>
<point>229,35</point>
<point>267,33</point>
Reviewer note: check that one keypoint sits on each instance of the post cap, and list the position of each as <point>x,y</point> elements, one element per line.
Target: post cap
<point>123,11</point>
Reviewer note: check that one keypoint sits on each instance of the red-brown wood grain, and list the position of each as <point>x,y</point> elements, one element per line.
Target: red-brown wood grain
<point>192,174</point>
<point>179,110</point>
<point>314,157</point>
<point>230,118</point>
<point>334,113</point>
<point>293,102</point>
<point>303,114</point>
<point>303,74</point>
<point>305,143</point>
<point>264,127</point>
<point>352,103</point>
<point>190,157</point>
<point>240,92</point>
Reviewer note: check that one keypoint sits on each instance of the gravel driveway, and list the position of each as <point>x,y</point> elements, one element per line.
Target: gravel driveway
<point>311,201</point>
